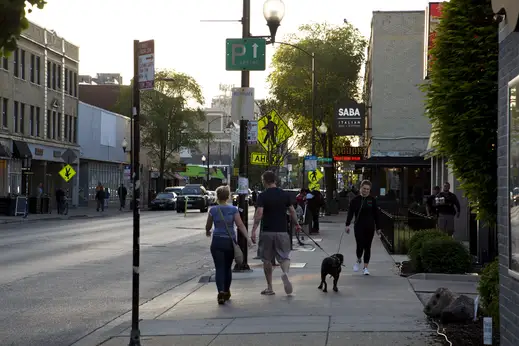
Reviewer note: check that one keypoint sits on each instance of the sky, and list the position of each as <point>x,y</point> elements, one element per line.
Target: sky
<point>105,30</point>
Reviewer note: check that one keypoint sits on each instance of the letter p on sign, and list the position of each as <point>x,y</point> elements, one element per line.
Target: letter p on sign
<point>237,51</point>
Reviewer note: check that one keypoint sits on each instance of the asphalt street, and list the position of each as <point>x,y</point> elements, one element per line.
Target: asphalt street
<point>60,280</point>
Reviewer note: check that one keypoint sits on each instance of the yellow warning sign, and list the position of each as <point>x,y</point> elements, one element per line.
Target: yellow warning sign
<point>67,173</point>
<point>314,186</point>
<point>272,131</point>
<point>315,176</point>
<point>262,159</point>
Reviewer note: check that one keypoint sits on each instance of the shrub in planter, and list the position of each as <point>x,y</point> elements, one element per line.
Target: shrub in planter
<point>416,242</point>
<point>488,289</point>
<point>445,256</point>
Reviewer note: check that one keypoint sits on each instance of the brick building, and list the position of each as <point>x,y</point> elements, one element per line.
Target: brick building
<point>397,130</point>
<point>508,169</point>
<point>38,110</point>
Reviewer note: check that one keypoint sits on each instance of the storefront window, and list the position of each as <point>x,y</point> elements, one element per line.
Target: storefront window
<point>15,177</point>
<point>390,183</point>
<point>513,173</point>
<point>109,175</point>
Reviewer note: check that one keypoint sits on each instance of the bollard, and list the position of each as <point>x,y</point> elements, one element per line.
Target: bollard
<point>185,207</point>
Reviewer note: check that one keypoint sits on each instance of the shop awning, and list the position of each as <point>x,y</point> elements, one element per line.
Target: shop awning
<point>201,172</point>
<point>178,176</point>
<point>21,150</point>
<point>5,153</point>
<point>392,161</point>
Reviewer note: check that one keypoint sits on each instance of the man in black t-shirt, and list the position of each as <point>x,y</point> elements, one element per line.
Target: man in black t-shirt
<point>271,212</point>
<point>431,202</point>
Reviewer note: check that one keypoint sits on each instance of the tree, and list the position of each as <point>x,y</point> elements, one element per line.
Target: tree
<point>339,55</point>
<point>13,22</point>
<point>462,99</point>
<point>168,121</point>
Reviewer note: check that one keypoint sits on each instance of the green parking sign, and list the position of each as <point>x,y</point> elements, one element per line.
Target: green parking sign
<point>245,54</point>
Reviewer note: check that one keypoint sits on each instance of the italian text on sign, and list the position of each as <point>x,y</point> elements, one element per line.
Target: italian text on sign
<point>273,131</point>
<point>67,173</point>
<point>147,65</point>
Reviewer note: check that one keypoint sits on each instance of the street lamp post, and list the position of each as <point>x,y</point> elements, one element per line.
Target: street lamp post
<point>204,160</point>
<point>273,11</point>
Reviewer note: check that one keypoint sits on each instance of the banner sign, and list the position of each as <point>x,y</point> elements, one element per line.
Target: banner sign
<point>432,19</point>
<point>350,118</point>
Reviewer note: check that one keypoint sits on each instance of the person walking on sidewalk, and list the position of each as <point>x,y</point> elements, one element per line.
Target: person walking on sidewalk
<point>275,240</point>
<point>448,206</point>
<point>224,216</point>
<point>364,208</point>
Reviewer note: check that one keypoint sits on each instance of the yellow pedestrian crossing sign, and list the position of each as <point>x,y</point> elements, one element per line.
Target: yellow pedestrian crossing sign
<point>314,186</point>
<point>272,131</point>
<point>315,176</point>
<point>67,173</point>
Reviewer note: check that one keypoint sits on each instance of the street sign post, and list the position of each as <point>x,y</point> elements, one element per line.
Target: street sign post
<point>67,173</point>
<point>273,131</point>
<point>147,65</point>
<point>245,54</point>
<point>69,156</point>
<point>252,132</point>
<point>242,103</point>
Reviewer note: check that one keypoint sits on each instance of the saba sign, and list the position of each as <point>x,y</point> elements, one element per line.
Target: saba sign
<point>349,118</point>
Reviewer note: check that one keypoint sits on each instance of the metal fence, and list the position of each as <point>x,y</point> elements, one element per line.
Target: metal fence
<point>397,230</point>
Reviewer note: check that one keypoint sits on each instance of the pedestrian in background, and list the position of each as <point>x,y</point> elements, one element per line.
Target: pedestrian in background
<point>222,219</point>
<point>122,192</point>
<point>100,197</point>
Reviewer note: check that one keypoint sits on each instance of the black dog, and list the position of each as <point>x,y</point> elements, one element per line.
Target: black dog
<point>331,266</point>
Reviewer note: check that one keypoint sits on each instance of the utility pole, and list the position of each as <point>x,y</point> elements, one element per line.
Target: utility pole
<point>135,334</point>
<point>242,199</point>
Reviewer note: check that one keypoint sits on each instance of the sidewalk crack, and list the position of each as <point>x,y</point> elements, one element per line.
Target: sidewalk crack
<point>328,330</point>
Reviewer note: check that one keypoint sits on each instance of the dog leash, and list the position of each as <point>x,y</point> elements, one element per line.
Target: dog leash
<point>320,247</point>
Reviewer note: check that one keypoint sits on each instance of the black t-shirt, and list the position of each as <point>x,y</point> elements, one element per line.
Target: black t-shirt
<point>274,202</point>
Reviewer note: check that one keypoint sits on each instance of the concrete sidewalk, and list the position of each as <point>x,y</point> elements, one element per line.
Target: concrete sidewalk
<point>380,309</point>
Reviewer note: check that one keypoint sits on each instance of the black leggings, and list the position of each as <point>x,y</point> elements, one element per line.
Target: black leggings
<point>364,238</point>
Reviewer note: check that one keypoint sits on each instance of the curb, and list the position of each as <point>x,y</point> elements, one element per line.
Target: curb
<point>150,309</point>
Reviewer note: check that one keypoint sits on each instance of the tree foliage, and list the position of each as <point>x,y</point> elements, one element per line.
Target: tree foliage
<point>13,22</point>
<point>462,99</point>
<point>168,119</point>
<point>339,54</point>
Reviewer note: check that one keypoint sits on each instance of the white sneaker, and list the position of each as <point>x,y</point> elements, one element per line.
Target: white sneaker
<point>356,267</point>
<point>365,271</point>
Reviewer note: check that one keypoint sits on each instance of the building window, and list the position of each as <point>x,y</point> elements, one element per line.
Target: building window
<point>4,112</point>
<point>70,128</point>
<point>59,77</point>
<point>54,76</point>
<point>65,135</point>
<point>5,63</point>
<point>66,80</point>
<point>38,69</point>
<point>70,89</point>
<point>513,173</point>
<point>22,63</point>
<point>22,117</point>
<point>38,121</point>
<point>16,66</point>
<point>33,68</point>
<point>49,74</point>
<point>31,122</point>
<point>75,84</point>
<point>74,130</point>
<point>59,125</point>
<point>49,123</point>
<point>15,116</point>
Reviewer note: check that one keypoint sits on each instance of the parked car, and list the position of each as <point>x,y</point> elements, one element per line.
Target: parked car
<point>164,200</point>
<point>175,189</point>
<point>212,197</point>
<point>197,198</point>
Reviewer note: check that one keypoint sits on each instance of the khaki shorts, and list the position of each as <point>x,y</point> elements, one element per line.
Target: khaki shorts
<point>274,245</point>
<point>446,223</point>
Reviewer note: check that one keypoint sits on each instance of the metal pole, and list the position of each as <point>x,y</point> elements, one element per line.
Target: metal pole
<point>135,335</point>
<point>314,95</point>
<point>242,200</point>
<point>208,154</point>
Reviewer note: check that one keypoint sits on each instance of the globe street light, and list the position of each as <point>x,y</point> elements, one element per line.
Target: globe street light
<point>322,129</point>
<point>273,11</point>
<point>204,159</point>
<point>124,144</point>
